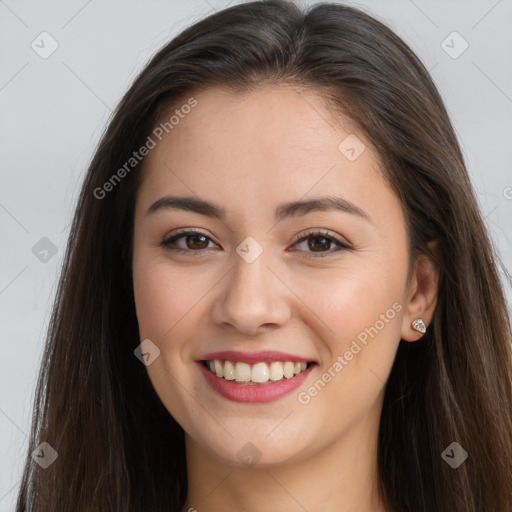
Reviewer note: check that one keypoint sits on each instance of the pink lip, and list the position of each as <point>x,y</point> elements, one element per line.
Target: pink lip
<point>253,357</point>
<point>262,393</point>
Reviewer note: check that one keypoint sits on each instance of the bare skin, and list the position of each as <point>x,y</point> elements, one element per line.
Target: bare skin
<point>249,154</point>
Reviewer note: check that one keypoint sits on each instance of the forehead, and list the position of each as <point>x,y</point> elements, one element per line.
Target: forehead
<point>275,143</point>
<point>281,119</point>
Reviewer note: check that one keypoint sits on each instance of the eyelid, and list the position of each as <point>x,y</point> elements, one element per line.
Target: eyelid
<point>343,245</point>
<point>320,232</point>
<point>181,233</point>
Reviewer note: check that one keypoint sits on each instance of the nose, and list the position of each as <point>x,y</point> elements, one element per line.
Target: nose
<point>254,298</point>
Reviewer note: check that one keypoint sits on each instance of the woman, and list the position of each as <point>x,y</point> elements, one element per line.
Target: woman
<point>278,291</point>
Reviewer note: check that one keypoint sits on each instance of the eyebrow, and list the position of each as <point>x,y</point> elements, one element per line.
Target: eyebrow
<point>283,211</point>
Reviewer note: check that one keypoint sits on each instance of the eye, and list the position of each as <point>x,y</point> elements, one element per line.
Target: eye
<point>321,240</point>
<point>196,241</point>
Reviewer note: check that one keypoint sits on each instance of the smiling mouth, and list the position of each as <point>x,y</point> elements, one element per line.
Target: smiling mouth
<point>262,373</point>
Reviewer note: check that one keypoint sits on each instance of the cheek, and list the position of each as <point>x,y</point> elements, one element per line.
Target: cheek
<point>365,318</point>
<point>349,300</point>
<point>163,296</point>
<point>358,314</point>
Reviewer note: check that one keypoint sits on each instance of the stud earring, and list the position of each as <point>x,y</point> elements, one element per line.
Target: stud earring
<point>419,325</point>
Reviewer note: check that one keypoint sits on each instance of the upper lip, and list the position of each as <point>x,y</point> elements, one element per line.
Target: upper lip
<point>254,357</point>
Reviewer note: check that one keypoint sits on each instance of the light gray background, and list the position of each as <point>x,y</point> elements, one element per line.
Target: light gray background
<point>52,112</point>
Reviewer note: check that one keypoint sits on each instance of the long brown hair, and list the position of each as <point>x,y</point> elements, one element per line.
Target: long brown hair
<point>118,448</point>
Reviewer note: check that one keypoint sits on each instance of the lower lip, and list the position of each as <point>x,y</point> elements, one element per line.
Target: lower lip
<point>257,393</point>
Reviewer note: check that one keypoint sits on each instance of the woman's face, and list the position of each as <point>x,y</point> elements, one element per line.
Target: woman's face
<point>244,284</point>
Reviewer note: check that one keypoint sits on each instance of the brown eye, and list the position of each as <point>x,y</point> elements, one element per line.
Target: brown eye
<point>194,241</point>
<point>321,242</point>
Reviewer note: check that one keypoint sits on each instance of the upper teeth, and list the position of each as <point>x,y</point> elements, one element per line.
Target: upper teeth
<point>257,373</point>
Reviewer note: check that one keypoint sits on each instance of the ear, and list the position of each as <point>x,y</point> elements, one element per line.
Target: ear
<point>422,294</point>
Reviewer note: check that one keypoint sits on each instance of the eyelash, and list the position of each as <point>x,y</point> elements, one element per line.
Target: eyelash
<point>299,238</point>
